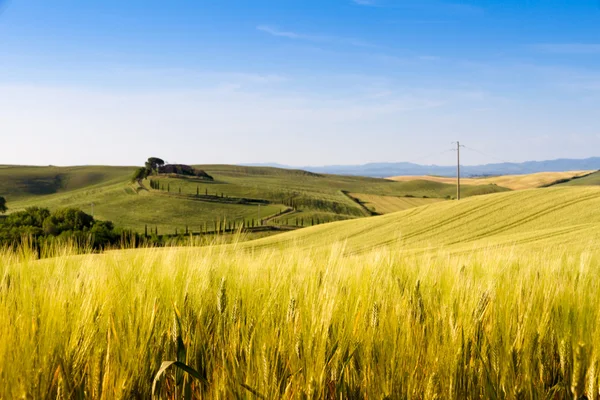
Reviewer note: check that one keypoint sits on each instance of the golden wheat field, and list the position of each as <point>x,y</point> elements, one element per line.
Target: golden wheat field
<point>514,182</point>
<point>490,297</point>
<point>389,204</point>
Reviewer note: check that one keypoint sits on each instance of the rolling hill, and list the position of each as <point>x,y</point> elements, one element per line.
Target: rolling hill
<point>375,307</point>
<point>513,182</point>
<point>377,204</point>
<point>537,218</point>
<point>24,182</point>
<point>236,194</point>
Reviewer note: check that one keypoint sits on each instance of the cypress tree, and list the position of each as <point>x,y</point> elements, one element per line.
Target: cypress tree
<point>197,191</point>
<point>186,230</point>
<point>146,230</point>
<point>168,187</point>
<point>206,191</point>
<point>179,189</point>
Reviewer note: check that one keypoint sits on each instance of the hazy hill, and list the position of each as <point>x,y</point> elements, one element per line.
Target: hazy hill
<point>404,168</point>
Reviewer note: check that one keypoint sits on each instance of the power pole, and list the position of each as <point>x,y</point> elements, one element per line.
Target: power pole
<point>458,146</point>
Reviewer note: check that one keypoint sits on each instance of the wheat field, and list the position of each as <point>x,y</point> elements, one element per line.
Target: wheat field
<point>297,324</point>
<point>349,318</point>
<point>514,182</point>
<point>389,204</point>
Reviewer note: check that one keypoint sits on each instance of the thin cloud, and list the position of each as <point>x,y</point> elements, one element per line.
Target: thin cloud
<point>428,6</point>
<point>569,48</point>
<point>290,35</point>
<point>313,38</point>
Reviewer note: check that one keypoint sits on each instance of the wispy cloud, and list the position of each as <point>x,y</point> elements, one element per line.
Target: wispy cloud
<point>425,5</point>
<point>274,31</point>
<point>568,48</point>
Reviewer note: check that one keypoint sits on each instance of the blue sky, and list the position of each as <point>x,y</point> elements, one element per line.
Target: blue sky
<point>298,82</point>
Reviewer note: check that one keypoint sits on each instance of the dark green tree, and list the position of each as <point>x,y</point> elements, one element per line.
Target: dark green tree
<point>3,207</point>
<point>153,164</point>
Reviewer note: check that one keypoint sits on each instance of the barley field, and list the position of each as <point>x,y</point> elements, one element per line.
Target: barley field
<point>280,317</point>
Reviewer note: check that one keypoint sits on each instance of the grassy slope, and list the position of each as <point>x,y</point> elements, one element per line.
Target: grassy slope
<point>589,180</point>
<point>390,204</point>
<point>540,217</point>
<point>116,199</point>
<point>134,208</point>
<point>287,322</point>
<point>279,181</point>
<point>513,182</point>
<point>20,183</point>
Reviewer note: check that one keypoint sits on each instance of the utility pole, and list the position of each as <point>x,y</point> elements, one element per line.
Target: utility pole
<point>458,146</point>
<point>92,210</point>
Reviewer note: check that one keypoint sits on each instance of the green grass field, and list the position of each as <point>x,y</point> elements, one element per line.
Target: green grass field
<point>490,297</point>
<point>588,180</point>
<point>316,197</point>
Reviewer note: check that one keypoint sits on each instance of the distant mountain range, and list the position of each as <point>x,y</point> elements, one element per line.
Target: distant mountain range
<point>382,170</point>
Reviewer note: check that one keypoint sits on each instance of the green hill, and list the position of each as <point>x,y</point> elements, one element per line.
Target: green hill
<point>24,182</point>
<point>592,179</point>
<point>236,194</point>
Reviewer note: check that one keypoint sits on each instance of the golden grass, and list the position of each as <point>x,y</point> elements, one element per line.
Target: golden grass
<point>536,218</point>
<point>490,297</point>
<point>292,323</point>
<point>514,182</point>
<point>390,204</point>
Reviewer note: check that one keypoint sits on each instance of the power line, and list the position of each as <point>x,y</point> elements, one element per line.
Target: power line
<point>516,165</point>
<point>429,156</point>
<point>487,155</point>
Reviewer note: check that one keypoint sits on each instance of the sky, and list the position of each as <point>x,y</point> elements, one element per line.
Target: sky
<point>298,82</point>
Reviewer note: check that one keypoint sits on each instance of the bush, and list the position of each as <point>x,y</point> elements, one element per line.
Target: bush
<point>43,227</point>
<point>139,174</point>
